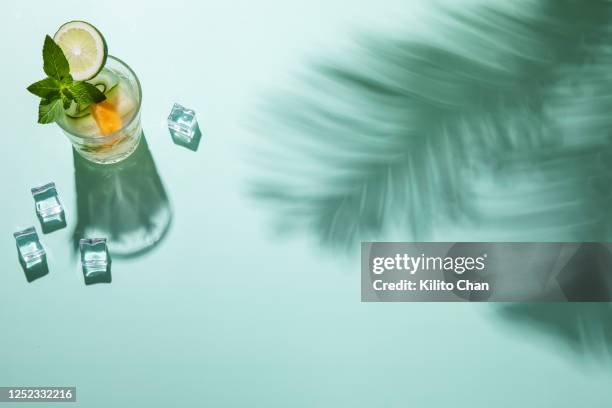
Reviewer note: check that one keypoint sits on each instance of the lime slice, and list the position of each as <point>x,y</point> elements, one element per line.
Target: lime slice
<point>84,48</point>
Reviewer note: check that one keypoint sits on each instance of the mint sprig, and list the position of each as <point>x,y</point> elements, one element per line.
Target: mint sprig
<point>55,63</point>
<point>58,91</point>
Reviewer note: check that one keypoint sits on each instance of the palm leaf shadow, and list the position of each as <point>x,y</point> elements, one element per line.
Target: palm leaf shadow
<point>502,129</point>
<point>479,129</point>
<point>581,328</point>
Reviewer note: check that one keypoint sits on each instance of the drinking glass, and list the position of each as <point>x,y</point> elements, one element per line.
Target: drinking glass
<point>118,145</point>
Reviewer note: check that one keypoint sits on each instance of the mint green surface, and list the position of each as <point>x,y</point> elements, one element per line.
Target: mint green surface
<point>225,312</point>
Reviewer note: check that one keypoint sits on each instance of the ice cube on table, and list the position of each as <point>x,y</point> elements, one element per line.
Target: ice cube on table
<point>32,255</point>
<point>95,260</point>
<point>30,249</point>
<point>184,127</point>
<point>48,208</point>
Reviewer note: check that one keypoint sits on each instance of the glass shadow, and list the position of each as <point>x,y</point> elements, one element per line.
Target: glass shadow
<point>125,203</point>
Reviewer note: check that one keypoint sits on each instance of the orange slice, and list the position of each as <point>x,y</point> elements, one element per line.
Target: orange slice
<point>106,117</point>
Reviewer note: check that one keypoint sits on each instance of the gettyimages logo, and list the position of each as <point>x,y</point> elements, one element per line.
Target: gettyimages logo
<point>486,271</point>
<point>414,264</point>
<point>399,271</point>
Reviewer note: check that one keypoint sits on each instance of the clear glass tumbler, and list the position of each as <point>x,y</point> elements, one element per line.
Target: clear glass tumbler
<point>88,140</point>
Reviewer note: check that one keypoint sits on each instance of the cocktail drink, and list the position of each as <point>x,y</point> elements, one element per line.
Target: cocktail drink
<point>94,97</point>
<point>109,131</point>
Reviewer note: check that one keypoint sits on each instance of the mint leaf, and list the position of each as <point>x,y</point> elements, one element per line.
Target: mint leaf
<point>47,88</point>
<point>66,92</point>
<point>55,63</point>
<point>59,91</point>
<point>85,93</point>
<point>66,101</point>
<point>67,80</point>
<point>50,111</point>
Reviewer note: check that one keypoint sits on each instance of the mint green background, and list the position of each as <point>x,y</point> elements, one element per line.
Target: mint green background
<point>224,312</point>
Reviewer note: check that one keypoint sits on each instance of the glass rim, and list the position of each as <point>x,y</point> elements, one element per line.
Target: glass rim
<point>102,138</point>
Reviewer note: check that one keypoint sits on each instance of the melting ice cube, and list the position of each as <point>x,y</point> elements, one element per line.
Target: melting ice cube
<point>32,255</point>
<point>95,260</point>
<point>184,127</point>
<point>48,208</point>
